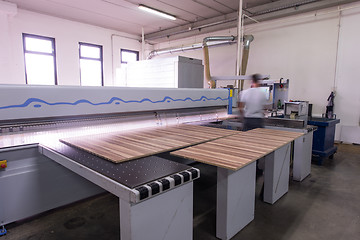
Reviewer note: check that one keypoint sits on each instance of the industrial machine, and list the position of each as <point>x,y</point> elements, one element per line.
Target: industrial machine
<point>51,174</point>
<point>170,72</point>
<point>297,110</point>
<point>41,155</point>
<point>323,145</point>
<point>295,119</point>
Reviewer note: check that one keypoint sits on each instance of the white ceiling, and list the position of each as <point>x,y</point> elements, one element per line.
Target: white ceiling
<point>124,15</point>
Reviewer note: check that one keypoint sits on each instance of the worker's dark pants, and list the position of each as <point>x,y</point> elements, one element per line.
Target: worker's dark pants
<point>251,123</point>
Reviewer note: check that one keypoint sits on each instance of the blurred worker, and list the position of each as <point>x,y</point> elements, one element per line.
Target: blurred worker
<point>251,104</point>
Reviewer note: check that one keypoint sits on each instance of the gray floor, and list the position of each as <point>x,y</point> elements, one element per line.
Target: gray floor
<point>326,205</point>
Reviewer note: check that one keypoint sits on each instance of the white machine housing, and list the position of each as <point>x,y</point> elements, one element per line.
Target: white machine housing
<point>25,108</point>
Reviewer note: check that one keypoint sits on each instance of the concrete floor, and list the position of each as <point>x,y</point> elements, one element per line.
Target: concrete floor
<point>324,206</point>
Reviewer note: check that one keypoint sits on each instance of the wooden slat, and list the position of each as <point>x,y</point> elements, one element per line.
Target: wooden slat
<point>274,132</point>
<point>120,147</point>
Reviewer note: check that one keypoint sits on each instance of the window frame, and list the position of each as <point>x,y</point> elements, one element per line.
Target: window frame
<point>128,51</point>
<point>24,35</point>
<point>89,58</point>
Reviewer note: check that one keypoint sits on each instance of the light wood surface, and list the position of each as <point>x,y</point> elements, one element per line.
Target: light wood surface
<point>272,133</point>
<point>236,151</point>
<point>120,147</point>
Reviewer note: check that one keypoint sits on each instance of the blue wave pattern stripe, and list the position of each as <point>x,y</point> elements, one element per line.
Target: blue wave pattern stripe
<point>113,99</point>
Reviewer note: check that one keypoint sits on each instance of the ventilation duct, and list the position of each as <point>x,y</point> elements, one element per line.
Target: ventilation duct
<point>245,57</point>
<point>211,82</point>
<point>186,48</point>
<point>247,39</point>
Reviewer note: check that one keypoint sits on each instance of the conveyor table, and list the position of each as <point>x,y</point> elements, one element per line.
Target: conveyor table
<point>235,158</point>
<point>141,184</point>
<point>148,187</point>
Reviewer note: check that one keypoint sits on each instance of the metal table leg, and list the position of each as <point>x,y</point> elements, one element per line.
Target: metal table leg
<point>276,174</point>
<point>168,216</point>
<point>302,156</point>
<point>235,200</point>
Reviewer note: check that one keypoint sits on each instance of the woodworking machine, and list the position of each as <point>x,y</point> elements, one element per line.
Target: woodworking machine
<point>39,173</point>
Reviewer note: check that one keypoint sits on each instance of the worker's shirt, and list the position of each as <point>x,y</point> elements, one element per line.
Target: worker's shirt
<point>254,100</point>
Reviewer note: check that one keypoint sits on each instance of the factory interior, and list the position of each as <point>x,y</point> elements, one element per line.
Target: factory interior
<point>129,119</point>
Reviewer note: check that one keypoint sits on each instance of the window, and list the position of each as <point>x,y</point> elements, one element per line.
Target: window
<point>129,56</point>
<point>40,59</point>
<point>91,64</point>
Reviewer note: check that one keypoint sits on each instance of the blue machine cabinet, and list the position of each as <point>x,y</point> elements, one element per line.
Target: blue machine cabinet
<point>323,142</point>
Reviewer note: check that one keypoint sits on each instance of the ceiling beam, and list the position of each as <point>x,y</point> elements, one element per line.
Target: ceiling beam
<point>192,27</point>
<point>277,5</point>
<point>229,20</point>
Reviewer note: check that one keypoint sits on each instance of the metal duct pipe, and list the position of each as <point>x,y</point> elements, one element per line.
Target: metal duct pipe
<point>211,82</point>
<point>245,57</point>
<point>173,50</point>
<point>183,48</point>
<point>247,39</point>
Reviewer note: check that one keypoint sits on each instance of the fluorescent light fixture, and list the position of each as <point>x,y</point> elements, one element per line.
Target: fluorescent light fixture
<point>156,12</point>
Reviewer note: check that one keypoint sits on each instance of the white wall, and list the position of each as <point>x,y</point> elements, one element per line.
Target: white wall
<point>301,48</point>
<point>348,77</point>
<point>222,58</point>
<point>304,49</point>
<point>67,36</point>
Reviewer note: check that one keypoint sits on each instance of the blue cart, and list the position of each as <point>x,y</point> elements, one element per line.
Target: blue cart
<point>323,142</point>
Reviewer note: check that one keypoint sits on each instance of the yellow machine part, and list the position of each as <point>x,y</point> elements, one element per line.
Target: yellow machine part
<point>3,164</point>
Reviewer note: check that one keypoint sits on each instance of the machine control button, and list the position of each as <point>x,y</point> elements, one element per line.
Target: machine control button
<point>3,164</point>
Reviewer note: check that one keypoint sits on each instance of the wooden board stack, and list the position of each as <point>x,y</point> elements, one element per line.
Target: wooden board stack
<point>236,151</point>
<point>119,147</point>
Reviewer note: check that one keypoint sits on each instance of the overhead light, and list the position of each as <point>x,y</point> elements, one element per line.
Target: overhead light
<point>156,12</point>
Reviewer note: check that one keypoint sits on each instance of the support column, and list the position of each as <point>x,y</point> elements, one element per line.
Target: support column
<point>235,204</point>
<point>276,174</point>
<point>168,216</point>
<point>302,156</point>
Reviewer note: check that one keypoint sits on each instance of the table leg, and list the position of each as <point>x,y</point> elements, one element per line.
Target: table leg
<point>276,174</point>
<point>235,200</point>
<point>302,156</point>
<point>168,216</point>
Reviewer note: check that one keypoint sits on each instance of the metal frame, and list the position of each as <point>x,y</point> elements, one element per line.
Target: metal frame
<point>31,174</point>
<point>302,150</point>
<point>173,210</point>
<point>108,184</point>
<point>168,216</point>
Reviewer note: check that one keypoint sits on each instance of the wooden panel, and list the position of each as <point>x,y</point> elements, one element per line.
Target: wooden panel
<point>120,147</point>
<point>274,132</point>
<point>236,151</point>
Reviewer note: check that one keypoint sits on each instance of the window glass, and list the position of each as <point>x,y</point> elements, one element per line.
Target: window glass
<point>89,52</point>
<point>40,60</point>
<point>91,65</point>
<point>39,69</point>
<point>129,56</point>
<point>38,45</point>
<point>90,71</point>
